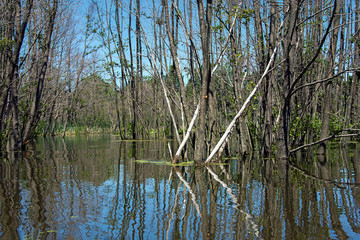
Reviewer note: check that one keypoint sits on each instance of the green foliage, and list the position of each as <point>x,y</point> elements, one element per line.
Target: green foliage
<point>300,125</point>
<point>159,21</point>
<point>75,129</point>
<point>336,123</point>
<point>218,28</point>
<point>2,139</point>
<point>245,14</point>
<point>180,131</point>
<point>6,44</point>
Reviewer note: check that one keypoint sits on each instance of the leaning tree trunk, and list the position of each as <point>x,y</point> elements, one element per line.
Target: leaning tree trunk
<point>226,135</point>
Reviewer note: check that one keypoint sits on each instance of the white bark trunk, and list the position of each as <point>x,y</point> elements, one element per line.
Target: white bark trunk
<point>163,87</point>
<point>246,103</point>
<point>182,145</point>
<point>244,106</point>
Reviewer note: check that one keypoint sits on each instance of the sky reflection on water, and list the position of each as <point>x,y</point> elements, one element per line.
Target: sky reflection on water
<point>93,188</point>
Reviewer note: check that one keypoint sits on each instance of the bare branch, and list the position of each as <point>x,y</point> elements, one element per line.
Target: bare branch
<point>226,43</point>
<point>313,59</point>
<point>324,80</point>
<point>328,138</point>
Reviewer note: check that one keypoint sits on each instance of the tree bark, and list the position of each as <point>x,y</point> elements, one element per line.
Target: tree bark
<point>290,58</point>
<point>205,24</point>
<point>268,93</point>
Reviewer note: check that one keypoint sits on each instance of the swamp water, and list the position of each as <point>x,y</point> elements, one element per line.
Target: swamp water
<point>97,187</point>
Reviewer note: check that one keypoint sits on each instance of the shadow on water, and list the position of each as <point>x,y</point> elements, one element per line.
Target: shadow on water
<point>97,187</point>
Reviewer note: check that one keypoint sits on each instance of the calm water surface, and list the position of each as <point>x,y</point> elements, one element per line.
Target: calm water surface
<point>97,187</point>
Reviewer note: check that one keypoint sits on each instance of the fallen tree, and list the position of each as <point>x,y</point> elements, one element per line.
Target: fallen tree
<point>241,111</point>
<point>176,158</point>
<point>244,106</point>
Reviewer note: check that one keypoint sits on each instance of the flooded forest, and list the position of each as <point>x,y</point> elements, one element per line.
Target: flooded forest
<point>168,119</point>
<point>273,76</point>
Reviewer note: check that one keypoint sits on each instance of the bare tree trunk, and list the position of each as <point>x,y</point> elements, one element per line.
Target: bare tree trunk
<point>44,64</point>
<point>328,85</point>
<point>159,74</point>
<point>357,57</point>
<point>205,25</point>
<point>192,52</point>
<point>339,87</point>
<point>138,65</point>
<point>15,113</point>
<point>289,74</point>
<point>355,81</point>
<point>124,68</point>
<point>133,80</point>
<point>173,50</point>
<point>290,81</point>
<point>260,50</point>
<point>155,81</point>
<point>268,86</point>
<point>16,23</point>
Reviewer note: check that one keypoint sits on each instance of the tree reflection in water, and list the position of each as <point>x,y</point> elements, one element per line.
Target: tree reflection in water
<point>100,187</point>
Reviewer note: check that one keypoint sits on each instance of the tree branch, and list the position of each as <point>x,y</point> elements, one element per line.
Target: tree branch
<point>324,80</point>
<point>328,138</point>
<point>314,57</point>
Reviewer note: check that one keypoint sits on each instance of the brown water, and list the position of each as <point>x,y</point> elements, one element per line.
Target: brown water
<point>94,187</point>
